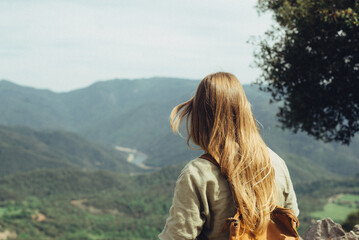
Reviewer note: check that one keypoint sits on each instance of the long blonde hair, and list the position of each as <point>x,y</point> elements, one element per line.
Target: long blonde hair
<point>220,121</point>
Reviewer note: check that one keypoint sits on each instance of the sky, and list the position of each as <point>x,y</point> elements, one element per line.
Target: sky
<point>64,45</point>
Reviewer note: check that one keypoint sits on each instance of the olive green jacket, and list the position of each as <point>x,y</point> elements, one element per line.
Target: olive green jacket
<point>203,201</point>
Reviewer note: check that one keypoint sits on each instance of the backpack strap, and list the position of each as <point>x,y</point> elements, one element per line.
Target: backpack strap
<point>209,157</point>
<point>236,217</point>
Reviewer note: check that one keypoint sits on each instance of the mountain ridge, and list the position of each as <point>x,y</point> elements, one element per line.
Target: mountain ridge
<point>23,150</point>
<point>53,167</point>
<point>135,114</point>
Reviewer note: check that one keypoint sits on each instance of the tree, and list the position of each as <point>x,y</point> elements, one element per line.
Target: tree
<point>351,220</point>
<point>310,64</point>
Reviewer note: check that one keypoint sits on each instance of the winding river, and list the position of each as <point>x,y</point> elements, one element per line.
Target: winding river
<point>134,156</point>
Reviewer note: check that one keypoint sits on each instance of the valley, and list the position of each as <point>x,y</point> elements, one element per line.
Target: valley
<point>135,157</point>
<point>338,207</point>
<point>101,162</point>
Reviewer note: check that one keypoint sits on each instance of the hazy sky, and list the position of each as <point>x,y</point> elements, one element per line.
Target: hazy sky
<point>68,44</point>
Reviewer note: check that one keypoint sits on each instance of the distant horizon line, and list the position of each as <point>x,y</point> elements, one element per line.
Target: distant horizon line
<point>102,81</point>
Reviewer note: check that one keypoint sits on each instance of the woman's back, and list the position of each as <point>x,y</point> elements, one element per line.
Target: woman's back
<point>203,200</point>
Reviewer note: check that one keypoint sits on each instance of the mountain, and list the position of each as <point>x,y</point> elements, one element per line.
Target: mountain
<point>31,107</point>
<point>23,149</point>
<point>134,113</point>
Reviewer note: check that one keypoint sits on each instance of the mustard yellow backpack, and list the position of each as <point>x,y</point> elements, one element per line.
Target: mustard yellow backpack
<point>283,224</point>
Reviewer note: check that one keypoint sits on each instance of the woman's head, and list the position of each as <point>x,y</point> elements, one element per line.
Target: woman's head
<point>216,114</point>
<point>220,121</point>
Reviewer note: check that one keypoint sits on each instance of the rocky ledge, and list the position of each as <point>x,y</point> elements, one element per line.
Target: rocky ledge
<point>327,229</point>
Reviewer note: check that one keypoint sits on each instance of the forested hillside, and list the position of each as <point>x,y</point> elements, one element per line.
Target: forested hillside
<point>134,113</point>
<point>79,204</point>
<point>23,149</point>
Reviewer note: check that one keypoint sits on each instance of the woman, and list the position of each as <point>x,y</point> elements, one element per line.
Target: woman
<point>220,121</point>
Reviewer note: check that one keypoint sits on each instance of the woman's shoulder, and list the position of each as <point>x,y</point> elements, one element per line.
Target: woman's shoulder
<point>205,179</point>
<point>278,163</point>
<point>200,167</point>
<point>203,167</point>
<point>203,174</point>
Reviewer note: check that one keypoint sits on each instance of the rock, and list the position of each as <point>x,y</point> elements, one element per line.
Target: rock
<point>327,229</point>
<point>354,234</point>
